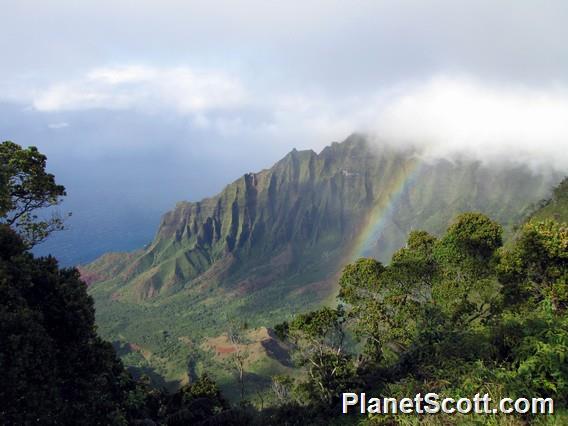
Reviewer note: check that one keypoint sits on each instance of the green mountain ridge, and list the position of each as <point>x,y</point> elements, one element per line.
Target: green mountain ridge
<point>272,243</point>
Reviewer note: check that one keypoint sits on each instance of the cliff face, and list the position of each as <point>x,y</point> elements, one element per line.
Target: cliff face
<point>303,216</point>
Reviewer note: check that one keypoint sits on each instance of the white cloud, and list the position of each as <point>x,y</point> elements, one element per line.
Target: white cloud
<point>60,125</point>
<point>145,88</point>
<point>461,116</point>
<point>121,75</point>
<point>444,116</point>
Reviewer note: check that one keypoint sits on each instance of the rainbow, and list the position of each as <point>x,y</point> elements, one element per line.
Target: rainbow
<point>373,226</point>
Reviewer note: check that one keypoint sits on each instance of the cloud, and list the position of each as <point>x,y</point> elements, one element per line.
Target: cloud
<point>317,42</point>
<point>181,89</point>
<point>462,116</point>
<point>60,125</point>
<point>122,75</point>
<point>445,116</point>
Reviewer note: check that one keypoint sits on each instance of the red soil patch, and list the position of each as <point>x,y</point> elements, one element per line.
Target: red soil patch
<point>222,350</point>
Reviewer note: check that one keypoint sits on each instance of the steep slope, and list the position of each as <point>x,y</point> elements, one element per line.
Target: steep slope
<point>556,207</point>
<point>271,243</point>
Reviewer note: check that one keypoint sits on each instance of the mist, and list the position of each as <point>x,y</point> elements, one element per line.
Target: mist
<point>462,117</point>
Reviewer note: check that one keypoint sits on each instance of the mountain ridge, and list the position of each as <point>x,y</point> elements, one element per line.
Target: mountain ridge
<point>195,235</point>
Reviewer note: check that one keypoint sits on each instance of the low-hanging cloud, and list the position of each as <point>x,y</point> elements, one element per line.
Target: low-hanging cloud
<point>448,117</point>
<point>444,117</point>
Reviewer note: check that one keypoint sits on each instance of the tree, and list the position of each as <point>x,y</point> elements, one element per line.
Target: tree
<point>318,338</point>
<point>532,337</point>
<point>384,303</point>
<point>456,315</point>
<point>536,268</point>
<point>362,291</point>
<point>194,402</point>
<point>55,368</point>
<point>431,295</point>
<point>237,360</point>
<point>25,190</point>
<point>465,286</point>
<point>281,388</point>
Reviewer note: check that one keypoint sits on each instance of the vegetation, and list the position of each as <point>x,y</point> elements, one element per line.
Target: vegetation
<point>458,314</point>
<point>272,244</point>
<point>26,189</point>
<point>455,315</point>
<point>555,207</point>
<point>54,367</point>
<point>53,364</point>
<point>57,370</point>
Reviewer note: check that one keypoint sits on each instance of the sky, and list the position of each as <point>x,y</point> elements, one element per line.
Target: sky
<point>139,104</point>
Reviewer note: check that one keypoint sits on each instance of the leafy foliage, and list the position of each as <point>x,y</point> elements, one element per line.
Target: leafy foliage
<point>458,315</point>
<point>57,370</point>
<point>54,366</point>
<point>536,269</point>
<point>319,339</point>
<point>25,189</point>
